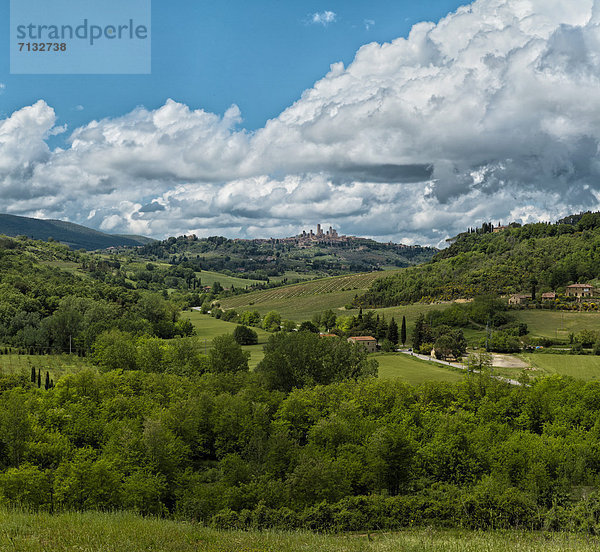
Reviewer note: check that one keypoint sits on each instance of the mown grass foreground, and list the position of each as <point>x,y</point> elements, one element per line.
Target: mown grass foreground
<point>127,532</point>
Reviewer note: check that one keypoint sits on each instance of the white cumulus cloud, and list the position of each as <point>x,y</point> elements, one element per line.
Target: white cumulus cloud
<point>491,114</point>
<point>323,18</point>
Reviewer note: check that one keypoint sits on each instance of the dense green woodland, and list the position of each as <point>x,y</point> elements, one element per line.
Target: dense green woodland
<point>222,448</point>
<point>500,263</point>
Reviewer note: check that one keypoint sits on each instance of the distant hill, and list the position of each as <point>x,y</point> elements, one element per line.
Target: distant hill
<point>261,259</point>
<point>500,261</point>
<point>73,235</point>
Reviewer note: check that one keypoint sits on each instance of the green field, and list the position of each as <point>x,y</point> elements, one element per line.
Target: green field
<point>301,301</point>
<point>208,278</point>
<point>413,370</point>
<point>557,324</point>
<point>577,366</point>
<point>56,365</point>
<point>392,365</point>
<point>208,328</point>
<point>120,532</point>
<point>67,266</point>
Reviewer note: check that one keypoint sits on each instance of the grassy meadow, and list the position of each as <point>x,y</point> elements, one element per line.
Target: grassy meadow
<point>557,324</point>
<point>128,532</point>
<point>585,367</point>
<point>57,365</point>
<point>208,278</point>
<point>208,328</point>
<point>413,370</point>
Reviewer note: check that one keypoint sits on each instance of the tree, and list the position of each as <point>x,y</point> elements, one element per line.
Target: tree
<point>245,336</point>
<point>418,336</point>
<point>307,326</point>
<point>226,355</point>
<point>15,427</point>
<point>403,331</point>
<point>387,346</point>
<point>250,318</point>
<point>392,333</point>
<point>144,491</point>
<point>115,350</point>
<point>185,328</point>
<point>328,319</point>
<point>534,283</point>
<point>272,321</point>
<point>47,384</point>
<point>288,326</point>
<point>481,361</point>
<point>297,359</point>
<point>27,486</point>
<point>65,323</point>
<point>391,453</point>
<point>149,354</point>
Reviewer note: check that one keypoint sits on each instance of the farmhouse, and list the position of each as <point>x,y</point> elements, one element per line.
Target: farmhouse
<point>370,343</point>
<point>579,290</point>
<point>549,296</point>
<point>519,298</point>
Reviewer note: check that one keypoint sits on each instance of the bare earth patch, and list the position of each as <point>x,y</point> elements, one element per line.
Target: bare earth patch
<point>508,361</point>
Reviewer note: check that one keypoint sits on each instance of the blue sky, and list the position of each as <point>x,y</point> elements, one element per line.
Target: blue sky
<point>258,54</point>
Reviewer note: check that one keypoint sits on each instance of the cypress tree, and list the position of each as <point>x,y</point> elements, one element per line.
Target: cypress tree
<point>392,333</point>
<point>381,329</point>
<point>39,378</point>
<point>417,338</point>
<point>403,331</point>
<point>47,384</point>
<point>33,375</point>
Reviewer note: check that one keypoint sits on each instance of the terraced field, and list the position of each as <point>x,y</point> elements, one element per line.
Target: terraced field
<point>299,301</point>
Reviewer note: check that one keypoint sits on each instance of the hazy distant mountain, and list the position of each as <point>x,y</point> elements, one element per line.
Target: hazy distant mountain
<point>73,235</point>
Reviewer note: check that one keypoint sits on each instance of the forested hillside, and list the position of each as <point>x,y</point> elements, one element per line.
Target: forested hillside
<point>46,305</point>
<point>549,256</point>
<point>264,259</point>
